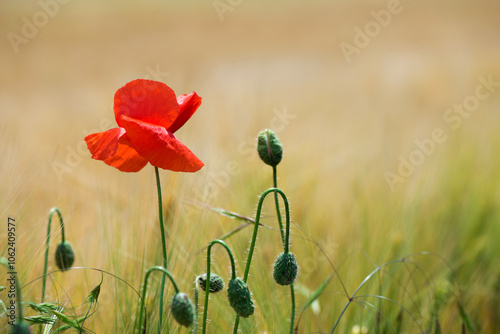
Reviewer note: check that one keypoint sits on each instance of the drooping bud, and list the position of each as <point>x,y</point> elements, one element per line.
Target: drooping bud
<point>20,328</point>
<point>269,147</point>
<point>240,298</point>
<point>182,309</point>
<point>285,269</point>
<point>216,282</point>
<point>64,255</point>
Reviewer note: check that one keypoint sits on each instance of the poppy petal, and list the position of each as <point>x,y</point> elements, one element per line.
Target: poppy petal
<point>114,148</point>
<point>126,158</point>
<point>102,145</point>
<point>148,101</point>
<point>188,104</point>
<point>160,147</point>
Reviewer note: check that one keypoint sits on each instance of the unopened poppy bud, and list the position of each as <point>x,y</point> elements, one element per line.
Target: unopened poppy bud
<point>269,148</point>
<point>182,309</point>
<point>20,328</point>
<point>216,282</point>
<point>240,298</point>
<point>64,255</point>
<point>285,269</point>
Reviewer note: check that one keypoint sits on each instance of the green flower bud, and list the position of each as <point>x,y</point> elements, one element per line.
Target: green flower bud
<point>216,282</point>
<point>239,298</point>
<point>182,309</point>
<point>64,255</point>
<point>285,269</point>
<point>269,148</point>
<point>20,328</point>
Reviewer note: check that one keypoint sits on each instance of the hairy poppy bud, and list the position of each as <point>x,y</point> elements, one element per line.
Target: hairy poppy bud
<point>239,297</point>
<point>285,269</point>
<point>182,309</point>
<point>20,328</point>
<point>216,282</point>
<point>64,255</point>
<point>269,148</point>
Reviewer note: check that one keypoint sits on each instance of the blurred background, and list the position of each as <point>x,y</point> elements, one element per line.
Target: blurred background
<point>355,91</point>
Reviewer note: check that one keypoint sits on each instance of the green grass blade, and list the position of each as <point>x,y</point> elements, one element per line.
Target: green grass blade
<point>312,298</point>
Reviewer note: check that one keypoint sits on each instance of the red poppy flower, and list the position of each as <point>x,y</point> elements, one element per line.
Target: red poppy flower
<point>147,113</point>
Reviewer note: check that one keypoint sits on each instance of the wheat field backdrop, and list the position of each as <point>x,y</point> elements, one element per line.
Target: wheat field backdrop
<point>379,160</point>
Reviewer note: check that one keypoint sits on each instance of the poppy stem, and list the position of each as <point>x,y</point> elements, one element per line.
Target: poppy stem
<point>285,242</point>
<point>145,288</point>
<point>19,316</point>
<point>46,262</point>
<point>276,201</point>
<point>236,324</point>
<point>207,287</point>
<point>254,238</point>
<point>196,293</point>
<point>163,243</point>
<point>292,316</point>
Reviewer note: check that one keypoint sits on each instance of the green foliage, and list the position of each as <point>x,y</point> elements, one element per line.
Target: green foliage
<point>50,313</point>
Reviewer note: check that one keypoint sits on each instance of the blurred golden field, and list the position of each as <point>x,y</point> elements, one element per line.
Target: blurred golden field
<point>345,124</point>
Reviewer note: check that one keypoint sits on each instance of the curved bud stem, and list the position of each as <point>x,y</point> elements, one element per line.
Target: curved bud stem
<point>285,243</point>
<point>145,287</point>
<point>256,227</point>
<point>61,221</point>
<point>207,289</point>
<point>254,237</point>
